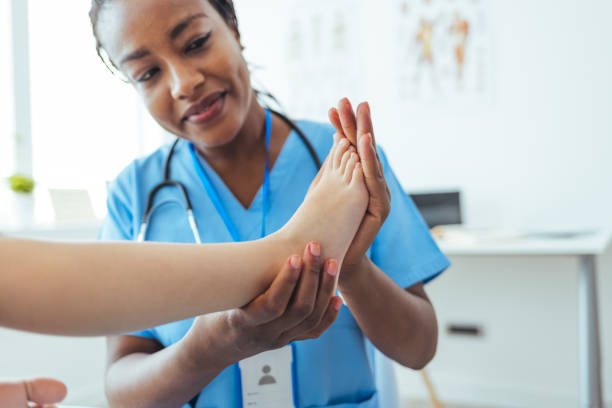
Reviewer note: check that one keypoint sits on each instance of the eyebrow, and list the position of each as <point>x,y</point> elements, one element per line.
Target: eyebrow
<point>141,53</point>
<point>180,27</point>
<point>174,33</point>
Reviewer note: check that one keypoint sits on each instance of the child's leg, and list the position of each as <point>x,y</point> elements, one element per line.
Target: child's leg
<point>103,288</point>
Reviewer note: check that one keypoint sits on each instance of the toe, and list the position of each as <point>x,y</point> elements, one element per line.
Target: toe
<point>357,176</point>
<point>331,156</point>
<point>341,148</point>
<point>344,161</point>
<point>347,169</point>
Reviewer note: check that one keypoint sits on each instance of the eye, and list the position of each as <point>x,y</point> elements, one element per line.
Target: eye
<point>197,44</point>
<point>148,75</point>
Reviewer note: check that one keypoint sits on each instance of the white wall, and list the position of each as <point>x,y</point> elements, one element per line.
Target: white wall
<point>533,153</point>
<point>7,123</point>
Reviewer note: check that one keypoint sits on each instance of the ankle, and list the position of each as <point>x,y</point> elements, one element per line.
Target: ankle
<point>284,239</point>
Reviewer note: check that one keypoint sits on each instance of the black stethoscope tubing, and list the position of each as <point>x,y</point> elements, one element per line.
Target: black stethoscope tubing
<point>168,182</point>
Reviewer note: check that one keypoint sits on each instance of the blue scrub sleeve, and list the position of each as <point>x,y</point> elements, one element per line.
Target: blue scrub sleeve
<point>117,226</point>
<point>404,248</point>
<point>148,333</point>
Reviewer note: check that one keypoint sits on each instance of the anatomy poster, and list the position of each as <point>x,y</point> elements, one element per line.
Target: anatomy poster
<point>397,51</point>
<point>441,49</point>
<point>324,56</point>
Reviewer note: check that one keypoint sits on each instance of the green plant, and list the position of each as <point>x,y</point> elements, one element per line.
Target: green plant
<point>21,184</point>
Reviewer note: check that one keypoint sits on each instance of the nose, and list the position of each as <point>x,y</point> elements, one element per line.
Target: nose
<point>185,81</point>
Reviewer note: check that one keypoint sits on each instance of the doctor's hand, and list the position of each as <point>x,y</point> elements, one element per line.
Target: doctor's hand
<point>299,305</point>
<point>39,393</point>
<point>360,132</point>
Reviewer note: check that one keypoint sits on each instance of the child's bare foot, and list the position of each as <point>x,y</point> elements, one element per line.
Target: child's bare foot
<point>334,206</point>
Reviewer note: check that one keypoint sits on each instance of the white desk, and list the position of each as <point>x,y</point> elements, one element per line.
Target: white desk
<point>33,217</point>
<point>77,232</point>
<point>586,248</point>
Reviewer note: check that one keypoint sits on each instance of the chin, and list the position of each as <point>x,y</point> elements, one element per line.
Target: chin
<point>208,140</point>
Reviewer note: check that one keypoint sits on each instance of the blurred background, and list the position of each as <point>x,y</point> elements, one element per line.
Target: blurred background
<point>503,106</point>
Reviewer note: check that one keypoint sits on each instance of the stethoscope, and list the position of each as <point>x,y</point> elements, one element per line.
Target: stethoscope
<point>168,182</point>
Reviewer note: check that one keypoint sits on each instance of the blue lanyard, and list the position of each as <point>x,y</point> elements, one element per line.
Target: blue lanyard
<point>214,195</point>
<point>231,227</point>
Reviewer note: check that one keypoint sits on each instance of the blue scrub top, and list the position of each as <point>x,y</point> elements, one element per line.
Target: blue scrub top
<point>335,370</point>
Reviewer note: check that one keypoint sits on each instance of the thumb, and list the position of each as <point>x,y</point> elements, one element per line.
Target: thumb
<point>45,390</point>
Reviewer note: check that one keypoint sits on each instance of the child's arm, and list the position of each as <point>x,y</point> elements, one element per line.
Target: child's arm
<point>102,288</point>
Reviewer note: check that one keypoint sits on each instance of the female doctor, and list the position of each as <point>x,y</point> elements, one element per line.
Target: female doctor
<point>245,171</point>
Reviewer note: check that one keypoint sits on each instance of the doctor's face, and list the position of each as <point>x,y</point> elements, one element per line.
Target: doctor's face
<point>185,62</point>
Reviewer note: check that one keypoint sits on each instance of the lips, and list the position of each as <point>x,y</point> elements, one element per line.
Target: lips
<point>200,109</point>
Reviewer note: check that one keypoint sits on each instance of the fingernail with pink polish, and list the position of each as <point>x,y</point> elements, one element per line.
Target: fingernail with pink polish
<point>315,249</point>
<point>332,267</point>
<point>295,262</point>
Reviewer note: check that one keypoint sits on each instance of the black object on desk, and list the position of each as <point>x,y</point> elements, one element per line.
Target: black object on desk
<point>442,208</point>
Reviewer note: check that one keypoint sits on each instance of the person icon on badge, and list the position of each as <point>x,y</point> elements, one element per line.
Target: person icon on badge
<point>266,378</point>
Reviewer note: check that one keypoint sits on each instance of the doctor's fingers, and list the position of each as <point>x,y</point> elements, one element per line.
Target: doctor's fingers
<point>380,196</point>
<point>334,118</point>
<point>304,299</point>
<point>372,166</point>
<point>365,128</point>
<point>348,121</point>
<point>268,337</point>
<point>329,317</point>
<point>364,120</point>
<point>320,312</point>
<point>308,303</point>
<point>272,304</point>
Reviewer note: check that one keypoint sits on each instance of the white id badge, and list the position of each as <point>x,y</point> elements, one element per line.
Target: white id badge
<point>267,380</point>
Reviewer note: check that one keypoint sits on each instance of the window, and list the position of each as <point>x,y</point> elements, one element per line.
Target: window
<point>86,124</point>
<point>7,123</point>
